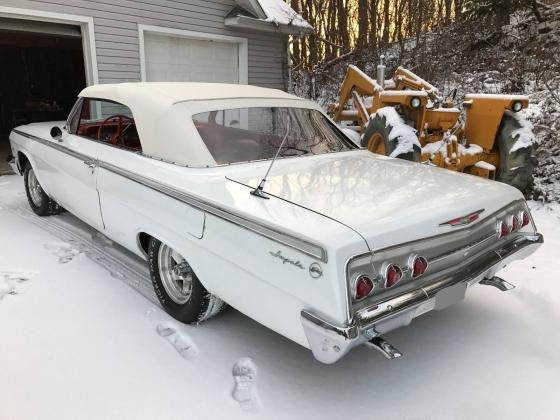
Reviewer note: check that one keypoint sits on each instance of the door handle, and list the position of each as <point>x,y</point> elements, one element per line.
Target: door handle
<point>90,163</point>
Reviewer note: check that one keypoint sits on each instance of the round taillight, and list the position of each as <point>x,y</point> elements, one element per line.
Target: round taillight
<point>393,274</point>
<point>515,223</point>
<point>525,219</point>
<point>364,286</point>
<point>502,229</point>
<point>419,266</point>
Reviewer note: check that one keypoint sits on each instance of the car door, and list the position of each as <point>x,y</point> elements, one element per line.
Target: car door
<point>75,174</point>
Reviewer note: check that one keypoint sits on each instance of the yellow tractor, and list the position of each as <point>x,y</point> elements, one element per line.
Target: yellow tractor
<point>406,117</point>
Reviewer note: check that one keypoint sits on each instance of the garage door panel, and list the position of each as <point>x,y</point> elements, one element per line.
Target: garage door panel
<point>176,59</point>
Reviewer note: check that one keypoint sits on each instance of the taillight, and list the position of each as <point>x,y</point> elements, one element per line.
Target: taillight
<point>525,219</point>
<point>502,229</point>
<point>515,223</point>
<point>363,287</point>
<point>419,266</point>
<point>393,274</point>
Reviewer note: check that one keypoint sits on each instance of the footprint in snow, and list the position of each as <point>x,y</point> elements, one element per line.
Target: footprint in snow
<point>10,281</point>
<point>180,342</point>
<point>65,251</point>
<point>244,389</point>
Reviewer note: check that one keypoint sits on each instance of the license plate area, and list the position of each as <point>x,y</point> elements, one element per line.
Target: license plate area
<point>450,296</point>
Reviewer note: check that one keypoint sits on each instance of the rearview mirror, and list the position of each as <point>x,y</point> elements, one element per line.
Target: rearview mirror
<point>56,133</point>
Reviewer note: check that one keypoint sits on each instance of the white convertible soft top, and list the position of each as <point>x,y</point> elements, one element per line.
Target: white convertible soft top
<point>163,110</point>
<point>174,92</point>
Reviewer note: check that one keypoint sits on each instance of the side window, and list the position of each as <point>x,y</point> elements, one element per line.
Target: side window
<point>74,117</point>
<point>109,122</point>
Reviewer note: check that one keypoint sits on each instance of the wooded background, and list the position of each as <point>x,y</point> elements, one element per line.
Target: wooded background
<point>342,26</point>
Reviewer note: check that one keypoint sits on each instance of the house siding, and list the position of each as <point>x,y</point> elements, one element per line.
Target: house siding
<point>116,33</point>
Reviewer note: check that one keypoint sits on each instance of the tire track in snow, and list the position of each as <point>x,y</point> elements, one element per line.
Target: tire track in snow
<point>95,248</point>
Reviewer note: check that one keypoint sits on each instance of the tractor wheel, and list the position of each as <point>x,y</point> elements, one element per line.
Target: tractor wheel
<point>517,160</point>
<point>387,134</point>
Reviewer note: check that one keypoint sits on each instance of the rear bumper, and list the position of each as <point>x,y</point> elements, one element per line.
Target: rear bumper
<point>330,342</point>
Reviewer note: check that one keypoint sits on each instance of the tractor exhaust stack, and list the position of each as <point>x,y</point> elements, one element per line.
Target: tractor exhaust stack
<point>381,72</point>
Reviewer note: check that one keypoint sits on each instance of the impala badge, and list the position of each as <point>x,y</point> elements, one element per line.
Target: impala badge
<point>463,220</point>
<point>286,260</point>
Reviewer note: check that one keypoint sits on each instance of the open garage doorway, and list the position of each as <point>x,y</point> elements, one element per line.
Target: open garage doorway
<point>41,74</point>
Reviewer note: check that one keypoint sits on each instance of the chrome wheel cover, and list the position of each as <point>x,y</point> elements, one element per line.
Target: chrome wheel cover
<point>35,190</point>
<point>176,275</point>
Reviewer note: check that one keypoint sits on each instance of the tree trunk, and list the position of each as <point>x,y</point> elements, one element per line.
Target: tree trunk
<point>386,20</point>
<point>363,24</point>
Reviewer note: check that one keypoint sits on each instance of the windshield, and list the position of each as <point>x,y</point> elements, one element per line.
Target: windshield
<point>245,134</point>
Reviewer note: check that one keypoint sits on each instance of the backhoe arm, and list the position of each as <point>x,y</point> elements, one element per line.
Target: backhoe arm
<point>354,81</point>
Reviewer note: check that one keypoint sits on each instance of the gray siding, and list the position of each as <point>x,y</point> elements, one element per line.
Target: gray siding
<point>116,33</point>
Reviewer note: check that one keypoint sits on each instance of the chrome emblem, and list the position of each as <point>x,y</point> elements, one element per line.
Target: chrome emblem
<point>286,260</point>
<point>463,220</point>
<point>315,270</point>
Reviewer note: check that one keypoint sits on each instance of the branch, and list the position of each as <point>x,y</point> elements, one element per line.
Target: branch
<point>552,92</point>
<point>543,5</point>
<point>334,61</point>
<point>546,127</point>
<point>326,41</point>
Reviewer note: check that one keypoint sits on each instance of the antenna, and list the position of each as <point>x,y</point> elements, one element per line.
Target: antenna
<point>258,192</point>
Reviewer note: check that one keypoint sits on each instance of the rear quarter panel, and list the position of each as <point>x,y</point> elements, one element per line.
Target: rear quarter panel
<point>236,264</point>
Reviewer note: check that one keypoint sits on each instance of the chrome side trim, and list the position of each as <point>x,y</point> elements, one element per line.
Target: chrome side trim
<point>294,242</point>
<point>306,247</point>
<point>54,145</point>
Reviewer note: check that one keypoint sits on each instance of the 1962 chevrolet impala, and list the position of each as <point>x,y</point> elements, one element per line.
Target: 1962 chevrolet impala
<point>254,197</point>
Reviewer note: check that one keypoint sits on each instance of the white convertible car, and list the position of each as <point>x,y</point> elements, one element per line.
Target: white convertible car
<point>253,197</point>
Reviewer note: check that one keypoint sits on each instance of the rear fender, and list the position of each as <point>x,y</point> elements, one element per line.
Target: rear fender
<point>484,115</point>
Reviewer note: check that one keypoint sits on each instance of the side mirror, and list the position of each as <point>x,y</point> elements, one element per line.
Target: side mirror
<point>56,133</point>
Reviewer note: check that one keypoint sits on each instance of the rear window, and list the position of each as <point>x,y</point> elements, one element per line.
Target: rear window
<point>246,134</point>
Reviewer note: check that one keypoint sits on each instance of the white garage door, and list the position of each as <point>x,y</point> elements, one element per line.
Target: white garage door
<point>175,59</point>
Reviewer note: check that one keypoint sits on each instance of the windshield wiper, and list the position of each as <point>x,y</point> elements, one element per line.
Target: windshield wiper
<point>258,192</point>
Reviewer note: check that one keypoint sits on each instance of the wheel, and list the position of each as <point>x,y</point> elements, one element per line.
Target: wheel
<point>516,163</point>
<point>39,201</point>
<point>178,288</point>
<point>387,134</point>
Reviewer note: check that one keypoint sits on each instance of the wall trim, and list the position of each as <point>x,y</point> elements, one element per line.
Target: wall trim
<point>160,30</point>
<point>86,25</point>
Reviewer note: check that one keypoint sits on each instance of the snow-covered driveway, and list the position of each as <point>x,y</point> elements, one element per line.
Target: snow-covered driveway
<point>76,342</point>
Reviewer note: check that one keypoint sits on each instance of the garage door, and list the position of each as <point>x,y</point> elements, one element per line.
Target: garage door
<point>175,59</point>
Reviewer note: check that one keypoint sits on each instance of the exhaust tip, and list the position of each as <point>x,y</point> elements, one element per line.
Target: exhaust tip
<point>384,347</point>
<point>498,283</point>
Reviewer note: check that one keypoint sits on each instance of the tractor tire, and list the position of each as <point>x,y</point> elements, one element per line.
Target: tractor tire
<point>380,130</point>
<point>516,166</point>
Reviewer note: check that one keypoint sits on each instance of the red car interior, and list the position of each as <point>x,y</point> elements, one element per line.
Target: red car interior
<point>116,129</point>
<point>231,144</point>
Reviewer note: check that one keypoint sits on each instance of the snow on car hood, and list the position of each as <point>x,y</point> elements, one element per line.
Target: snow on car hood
<point>387,201</point>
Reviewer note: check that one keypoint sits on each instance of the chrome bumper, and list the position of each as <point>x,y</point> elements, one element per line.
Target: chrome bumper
<point>330,342</point>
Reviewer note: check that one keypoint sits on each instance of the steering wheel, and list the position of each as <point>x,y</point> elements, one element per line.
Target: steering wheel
<point>115,137</point>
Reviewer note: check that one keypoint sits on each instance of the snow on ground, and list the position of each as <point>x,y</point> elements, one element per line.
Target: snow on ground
<point>82,337</point>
